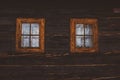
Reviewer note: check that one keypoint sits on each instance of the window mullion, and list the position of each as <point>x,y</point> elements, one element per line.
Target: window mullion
<point>84,35</point>
<point>30,36</point>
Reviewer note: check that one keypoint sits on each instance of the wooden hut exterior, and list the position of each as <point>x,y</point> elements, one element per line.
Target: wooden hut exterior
<point>57,56</point>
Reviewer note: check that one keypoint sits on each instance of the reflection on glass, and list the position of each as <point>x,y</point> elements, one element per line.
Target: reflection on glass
<point>34,41</point>
<point>25,41</point>
<point>79,29</point>
<point>79,41</point>
<point>88,41</point>
<point>88,30</point>
<point>25,28</point>
<point>34,28</point>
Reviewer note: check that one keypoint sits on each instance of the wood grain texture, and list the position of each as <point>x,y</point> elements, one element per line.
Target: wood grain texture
<point>57,28</point>
<point>57,62</point>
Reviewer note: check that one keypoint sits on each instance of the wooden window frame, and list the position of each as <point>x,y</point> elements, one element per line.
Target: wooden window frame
<point>41,22</point>
<point>73,47</point>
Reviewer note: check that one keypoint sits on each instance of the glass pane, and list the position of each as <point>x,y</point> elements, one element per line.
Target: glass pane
<point>34,41</point>
<point>25,41</point>
<point>79,29</point>
<point>88,29</point>
<point>34,28</point>
<point>25,28</point>
<point>79,41</point>
<point>88,41</point>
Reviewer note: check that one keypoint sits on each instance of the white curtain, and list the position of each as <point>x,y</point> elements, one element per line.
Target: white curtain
<point>34,28</point>
<point>34,41</point>
<point>25,28</point>
<point>34,37</point>
<point>79,41</point>
<point>83,39</point>
<point>79,29</point>
<point>25,41</point>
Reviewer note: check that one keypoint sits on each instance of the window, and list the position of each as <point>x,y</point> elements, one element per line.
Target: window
<point>30,35</point>
<point>84,35</point>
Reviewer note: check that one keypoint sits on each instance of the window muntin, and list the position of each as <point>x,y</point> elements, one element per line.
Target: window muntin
<point>84,35</point>
<point>30,35</point>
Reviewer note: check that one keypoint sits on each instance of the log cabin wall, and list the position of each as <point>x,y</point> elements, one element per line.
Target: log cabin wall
<point>57,26</point>
<point>58,63</point>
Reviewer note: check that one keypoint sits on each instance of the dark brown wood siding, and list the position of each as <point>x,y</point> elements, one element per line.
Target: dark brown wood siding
<point>57,28</point>
<point>58,63</point>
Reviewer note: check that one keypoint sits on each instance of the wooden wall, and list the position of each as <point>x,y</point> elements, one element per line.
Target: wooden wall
<point>58,63</point>
<point>57,28</point>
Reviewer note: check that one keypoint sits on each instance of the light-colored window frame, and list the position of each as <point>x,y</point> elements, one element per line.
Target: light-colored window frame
<point>41,22</point>
<point>73,47</point>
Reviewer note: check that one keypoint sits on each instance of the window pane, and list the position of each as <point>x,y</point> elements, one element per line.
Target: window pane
<point>34,41</point>
<point>79,41</point>
<point>79,29</point>
<point>34,28</point>
<point>88,30</point>
<point>25,28</point>
<point>25,41</point>
<point>88,41</point>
